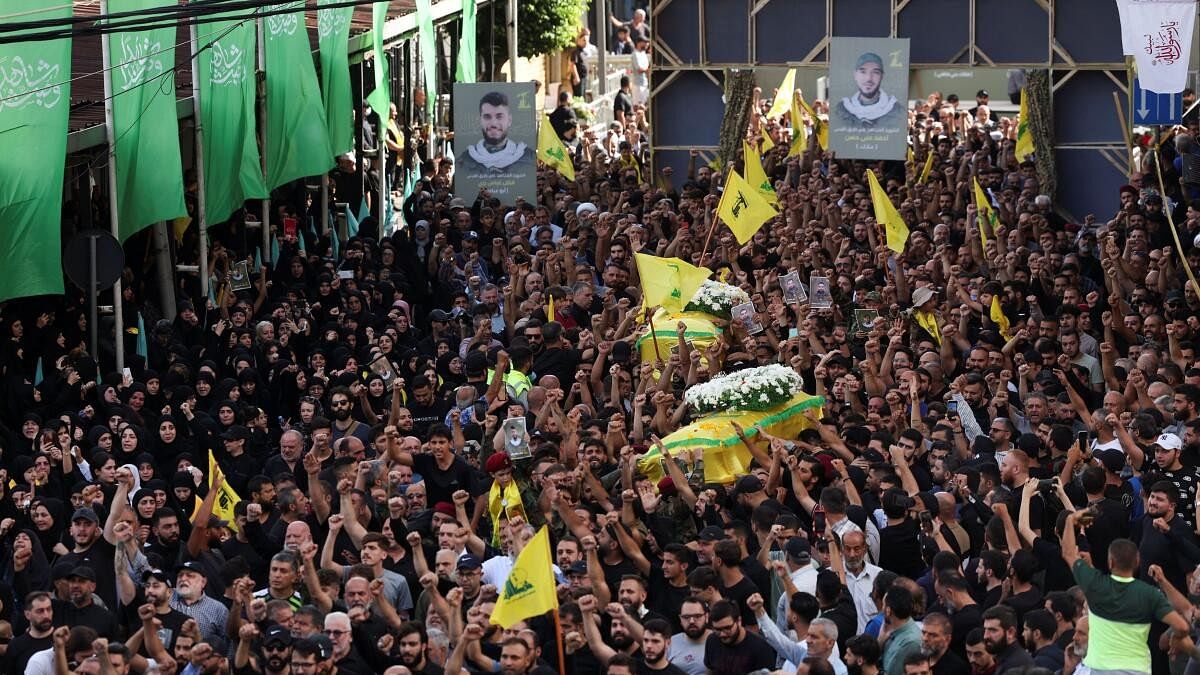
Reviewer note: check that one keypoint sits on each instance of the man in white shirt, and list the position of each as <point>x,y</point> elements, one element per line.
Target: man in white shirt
<point>801,576</point>
<point>860,575</point>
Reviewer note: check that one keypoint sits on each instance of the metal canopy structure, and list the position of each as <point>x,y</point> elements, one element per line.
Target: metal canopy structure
<point>1078,41</point>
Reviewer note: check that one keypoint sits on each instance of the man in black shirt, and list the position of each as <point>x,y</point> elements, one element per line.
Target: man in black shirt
<point>444,473</point>
<point>82,610</point>
<point>556,358</point>
<point>731,649</point>
<point>427,410</point>
<point>623,102</point>
<point>1000,639</point>
<point>563,118</point>
<point>39,612</point>
<point>936,633</point>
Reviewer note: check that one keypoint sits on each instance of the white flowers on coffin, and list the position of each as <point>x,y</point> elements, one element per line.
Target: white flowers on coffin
<point>750,389</point>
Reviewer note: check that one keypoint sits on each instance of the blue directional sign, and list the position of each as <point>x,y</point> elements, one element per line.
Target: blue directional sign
<point>1153,108</point>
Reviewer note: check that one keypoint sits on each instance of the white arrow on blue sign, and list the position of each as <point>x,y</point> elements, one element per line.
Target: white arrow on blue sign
<point>1153,108</point>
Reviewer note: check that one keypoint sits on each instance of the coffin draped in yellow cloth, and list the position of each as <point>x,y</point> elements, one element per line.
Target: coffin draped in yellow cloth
<point>725,457</point>
<point>701,331</point>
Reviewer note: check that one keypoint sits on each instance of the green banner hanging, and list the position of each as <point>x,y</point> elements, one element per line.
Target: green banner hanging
<point>379,98</point>
<point>467,58</point>
<point>145,122</point>
<point>426,37</point>
<point>232,168</point>
<point>297,135</point>
<point>333,30</point>
<point>34,103</point>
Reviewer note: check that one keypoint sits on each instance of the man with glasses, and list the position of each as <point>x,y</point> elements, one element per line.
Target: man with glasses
<point>273,657</point>
<point>346,659</point>
<point>343,423</point>
<point>731,649</point>
<point>687,647</point>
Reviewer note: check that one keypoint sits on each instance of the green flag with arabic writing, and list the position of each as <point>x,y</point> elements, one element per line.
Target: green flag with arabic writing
<point>35,98</point>
<point>297,134</point>
<point>333,30</point>
<point>232,167</point>
<point>145,122</point>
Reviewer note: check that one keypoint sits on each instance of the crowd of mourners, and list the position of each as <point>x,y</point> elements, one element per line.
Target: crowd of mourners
<point>978,494</point>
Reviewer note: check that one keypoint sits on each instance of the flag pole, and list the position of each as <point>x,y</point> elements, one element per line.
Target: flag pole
<point>558,639</point>
<point>198,126</point>
<point>712,228</point>
<point>113,211</point>
<point>266,202</point>
<point>653,336</point>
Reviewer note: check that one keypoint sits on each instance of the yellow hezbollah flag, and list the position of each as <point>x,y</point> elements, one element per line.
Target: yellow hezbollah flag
<point>550,315</point>
<point>927,168</point>
<point>743,208</point>
<point>886,213</point>
<point>668,282</point>
<point>531,589</point>
<point>909,157</point>
<point>820,128</point>
<point>226,497</point>
<point>984,213</point>
<point>783,97</point>
<point>799,133</point>
<point>928,322</point>
<point>767,143</point>
<point>996,313</point>
<point>552,151</point>
<point>1024,133</point>
<point>755,174</point>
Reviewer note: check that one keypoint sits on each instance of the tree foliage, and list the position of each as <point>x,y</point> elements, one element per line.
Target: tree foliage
<point>543,26</point>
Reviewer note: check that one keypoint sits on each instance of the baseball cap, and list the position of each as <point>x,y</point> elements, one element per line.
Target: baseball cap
<point>869,57</point>
<point>439,315</point>
<point>982,93</point>
<point>277,635</point>
<point>468,561</point>
<point>61,570</point>
<point>711,533</point>
<point>577,567</point>
<point>1169,442</point>
<point>155,573</point>
<point>236,432</point>
<point>316,643</point>
<point>747,485</point>
<point>1112,459</point>
<point>85,513</point>
<point>189,566</point>
<point>82,572</point>
<point>799,549</point>
<point>458,203</point>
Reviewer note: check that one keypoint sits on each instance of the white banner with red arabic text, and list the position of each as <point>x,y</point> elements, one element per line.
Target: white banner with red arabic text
<point>1158,34</point>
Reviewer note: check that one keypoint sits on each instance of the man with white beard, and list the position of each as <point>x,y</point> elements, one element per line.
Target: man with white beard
<point>189,598</point>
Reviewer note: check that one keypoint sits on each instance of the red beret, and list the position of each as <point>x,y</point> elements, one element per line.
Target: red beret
<point>667,486</point>
<point>496,462</point>
<point>445,508</point>
<point>1127,188</point>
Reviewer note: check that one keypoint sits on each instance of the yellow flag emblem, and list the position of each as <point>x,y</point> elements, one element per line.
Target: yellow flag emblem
<point>531,588</point>
<point>743,208</point>
<point>552,151</point>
